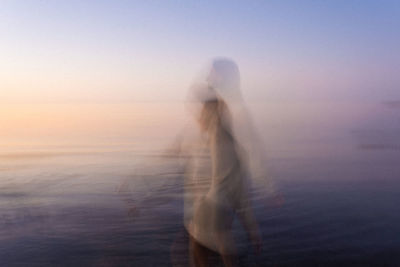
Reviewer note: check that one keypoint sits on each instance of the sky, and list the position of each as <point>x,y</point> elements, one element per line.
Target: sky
<point>144,51</point>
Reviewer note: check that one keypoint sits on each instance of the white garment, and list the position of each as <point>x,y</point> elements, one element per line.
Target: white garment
<point>215,190</point>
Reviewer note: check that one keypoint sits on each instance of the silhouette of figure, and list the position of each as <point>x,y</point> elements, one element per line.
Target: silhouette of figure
<point>217,187</point>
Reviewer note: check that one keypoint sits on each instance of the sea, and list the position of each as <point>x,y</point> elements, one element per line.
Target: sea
<point>97,185</point>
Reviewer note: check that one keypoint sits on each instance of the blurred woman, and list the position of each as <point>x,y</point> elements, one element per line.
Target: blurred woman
<point>223,154</point>
<point>227,195</point>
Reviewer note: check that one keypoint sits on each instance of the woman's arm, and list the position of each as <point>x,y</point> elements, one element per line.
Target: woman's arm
<point>247,218</point>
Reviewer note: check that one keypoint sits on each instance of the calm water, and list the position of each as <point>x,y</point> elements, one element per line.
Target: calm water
<point>118,205</point>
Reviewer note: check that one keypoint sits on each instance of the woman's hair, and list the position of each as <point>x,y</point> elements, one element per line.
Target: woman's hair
<point>216,110</point>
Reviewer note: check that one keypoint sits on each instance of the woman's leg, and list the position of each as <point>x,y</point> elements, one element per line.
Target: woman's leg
<point>227,248</point>
<point>199,253</point>
<point>179,250</point>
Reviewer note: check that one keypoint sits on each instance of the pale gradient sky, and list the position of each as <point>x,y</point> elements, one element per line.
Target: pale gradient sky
<point>127,51</point>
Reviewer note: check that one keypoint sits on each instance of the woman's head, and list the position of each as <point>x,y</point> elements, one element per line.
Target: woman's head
<point>213,92</point>
<point>224,77</point>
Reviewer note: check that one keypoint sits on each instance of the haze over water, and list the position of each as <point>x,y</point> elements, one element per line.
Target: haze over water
<point>93,100</point>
